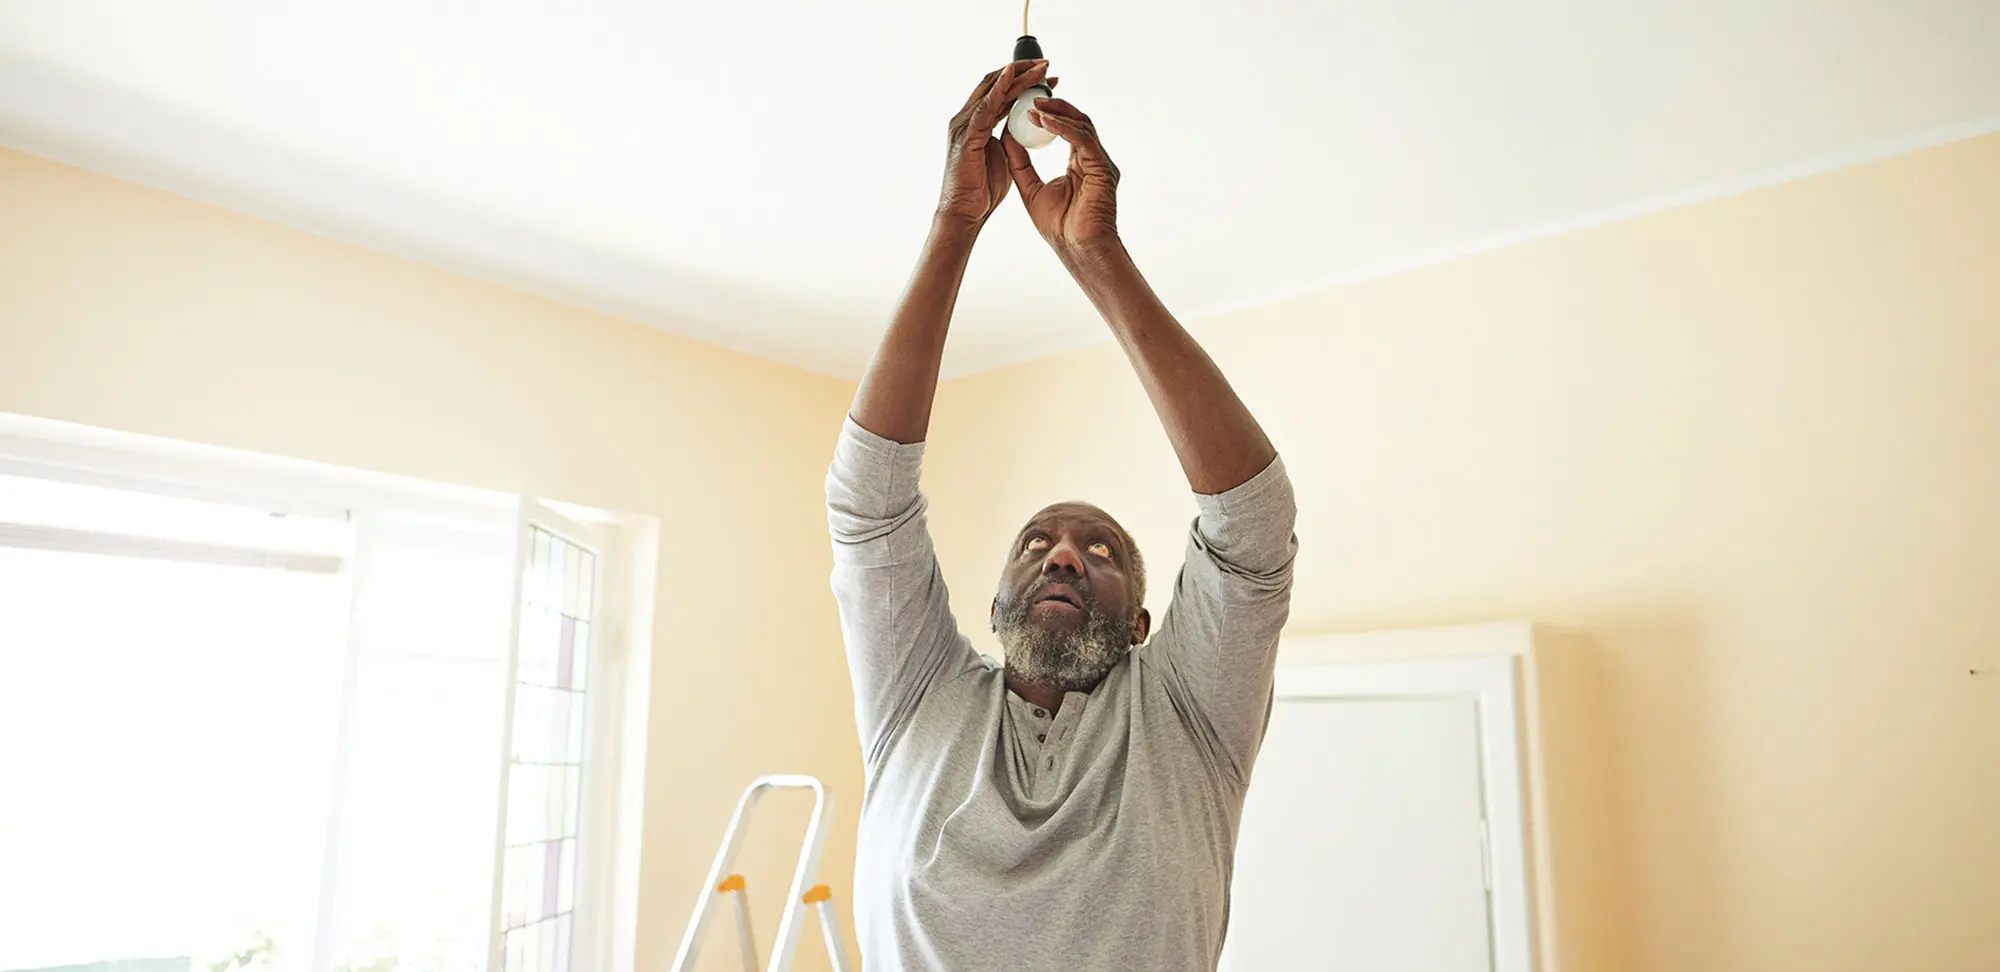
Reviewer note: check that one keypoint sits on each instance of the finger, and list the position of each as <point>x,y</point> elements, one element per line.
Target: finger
<point>1081,136</point>
<point>1057,106</point>
<point>1036,74</point>
<point>1056,111</point>
<point>1021,167</point>
<point>1015,79</point>
<point>979,91</point>
<point>982,114</point>
<point>1058,123</point>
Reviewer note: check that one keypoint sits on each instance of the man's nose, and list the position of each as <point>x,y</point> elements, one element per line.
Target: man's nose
<point>1063,556</point>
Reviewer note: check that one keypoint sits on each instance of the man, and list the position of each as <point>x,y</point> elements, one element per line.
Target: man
<point>1077,807</point>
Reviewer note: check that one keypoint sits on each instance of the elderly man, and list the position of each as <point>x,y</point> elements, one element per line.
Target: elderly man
<point>1076,807</point>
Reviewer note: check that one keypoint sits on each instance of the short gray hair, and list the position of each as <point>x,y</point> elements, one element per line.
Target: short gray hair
<point>1138,571</point>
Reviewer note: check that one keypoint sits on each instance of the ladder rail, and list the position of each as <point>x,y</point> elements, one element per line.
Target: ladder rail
<point>746,939</point>
<point>829,926</point>
<point>786,947</point>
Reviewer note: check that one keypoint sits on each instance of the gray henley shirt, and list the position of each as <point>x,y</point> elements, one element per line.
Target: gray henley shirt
<point>999,837</point>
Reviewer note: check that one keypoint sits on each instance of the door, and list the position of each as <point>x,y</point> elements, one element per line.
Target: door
<point>1365,844</point>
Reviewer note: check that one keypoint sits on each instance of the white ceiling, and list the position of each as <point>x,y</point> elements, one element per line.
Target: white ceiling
<point>760,173</point>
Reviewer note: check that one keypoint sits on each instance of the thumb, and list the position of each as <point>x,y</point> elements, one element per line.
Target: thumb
<point>1021,167</point>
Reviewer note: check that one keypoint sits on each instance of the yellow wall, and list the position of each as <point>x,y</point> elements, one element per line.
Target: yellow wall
<point>131,309</point>
<point>1751,449</point>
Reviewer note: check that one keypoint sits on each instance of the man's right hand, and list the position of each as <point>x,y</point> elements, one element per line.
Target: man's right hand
<point>894,400</point>
<point>976,176</point>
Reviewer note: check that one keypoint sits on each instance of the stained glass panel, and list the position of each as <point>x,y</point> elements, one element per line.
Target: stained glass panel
<point>545,785</point>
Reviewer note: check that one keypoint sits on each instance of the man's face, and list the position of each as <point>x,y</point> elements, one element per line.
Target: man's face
<point>1065,610</point>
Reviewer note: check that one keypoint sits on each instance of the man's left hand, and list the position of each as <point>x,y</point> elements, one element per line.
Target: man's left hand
<point>1079,208</point>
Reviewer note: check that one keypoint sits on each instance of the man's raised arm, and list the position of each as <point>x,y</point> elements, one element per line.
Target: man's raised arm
<point>894,400</point>
<point>1219,442</point>
<point>895,612</point>
<point>1218,641</point>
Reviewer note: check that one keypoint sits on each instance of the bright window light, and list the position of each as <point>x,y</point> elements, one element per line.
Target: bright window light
<point>238,740</point>
<point>169,732</point>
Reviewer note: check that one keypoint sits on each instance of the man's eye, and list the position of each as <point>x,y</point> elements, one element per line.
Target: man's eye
<point>1101,549</point>
<point>1036,543</point>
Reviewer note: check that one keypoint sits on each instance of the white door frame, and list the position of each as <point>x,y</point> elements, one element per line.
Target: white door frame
<point>1491,683</point>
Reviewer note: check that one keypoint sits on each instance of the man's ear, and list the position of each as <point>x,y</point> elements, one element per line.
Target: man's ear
<point>1142,626</point>
<point>993,614</point>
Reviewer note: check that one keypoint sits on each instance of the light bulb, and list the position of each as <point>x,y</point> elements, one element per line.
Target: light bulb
<point>1019,125</point>
<point>1023,128</point>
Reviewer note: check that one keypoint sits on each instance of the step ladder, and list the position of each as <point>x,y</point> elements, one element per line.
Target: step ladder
<point>722,881</point>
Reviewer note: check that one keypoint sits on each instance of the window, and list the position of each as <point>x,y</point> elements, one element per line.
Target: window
<point>545,776</point>
<point>409,877</point>
<point>167,723</point>
<point>265,715</point>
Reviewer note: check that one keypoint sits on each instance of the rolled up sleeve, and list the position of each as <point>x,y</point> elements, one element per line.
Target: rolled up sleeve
<point>1219,639</point>
<point>895,613</point>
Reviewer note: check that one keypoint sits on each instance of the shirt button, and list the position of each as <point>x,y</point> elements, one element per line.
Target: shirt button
<point>1044,737</point>
<point>1052,762</point>
<point>1039,714</point>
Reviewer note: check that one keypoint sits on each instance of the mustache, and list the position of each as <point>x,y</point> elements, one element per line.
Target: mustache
<point>1077,584</point>
<point>1014,607</point>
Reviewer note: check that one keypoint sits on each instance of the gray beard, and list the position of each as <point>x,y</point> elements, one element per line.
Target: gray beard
<point>1070,661</point>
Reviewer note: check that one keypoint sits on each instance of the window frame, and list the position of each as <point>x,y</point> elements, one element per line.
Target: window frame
<point>597,792</point>
<point>611,807</point>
